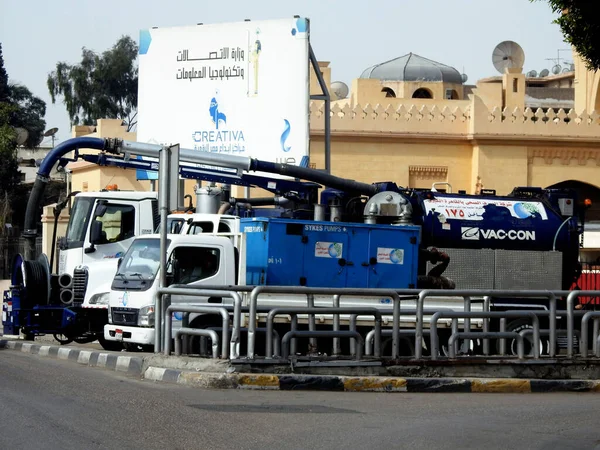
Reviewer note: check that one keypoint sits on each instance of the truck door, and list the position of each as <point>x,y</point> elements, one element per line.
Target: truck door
<point>112,229</point>
<point>197,266</point>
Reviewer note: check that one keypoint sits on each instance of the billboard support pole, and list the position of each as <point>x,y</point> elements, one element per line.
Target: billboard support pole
<point>326,97</point>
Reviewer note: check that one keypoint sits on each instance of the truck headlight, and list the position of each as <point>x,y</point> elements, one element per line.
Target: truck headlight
<point>146,316</point>
<point>100,299</point>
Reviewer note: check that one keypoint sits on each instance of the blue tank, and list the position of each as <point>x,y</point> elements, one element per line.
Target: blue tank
<point>529,219</point>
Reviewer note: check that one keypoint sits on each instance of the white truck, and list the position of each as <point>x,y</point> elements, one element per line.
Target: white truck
<point>217,259</point>
<point>101,227</point>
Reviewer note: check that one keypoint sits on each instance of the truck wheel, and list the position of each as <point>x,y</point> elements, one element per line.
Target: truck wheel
<point>112,346</point>
<point>511,344</point>
<point>62,339</point>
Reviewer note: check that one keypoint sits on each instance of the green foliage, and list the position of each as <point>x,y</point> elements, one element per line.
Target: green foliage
<point>29,114</point>
<point>18,108</point>
<point>3,79</point>
<point>100,86</point>
<point>579,21</point>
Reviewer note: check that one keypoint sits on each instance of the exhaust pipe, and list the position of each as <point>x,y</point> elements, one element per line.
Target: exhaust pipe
<point>65,281</point>
<point>66,296</point>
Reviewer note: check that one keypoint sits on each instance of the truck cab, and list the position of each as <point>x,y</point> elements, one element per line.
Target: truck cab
<point>192,259</point>
<point>102,226</point>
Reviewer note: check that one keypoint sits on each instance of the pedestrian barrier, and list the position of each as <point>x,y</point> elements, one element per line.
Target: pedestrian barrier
<point>246,303</point>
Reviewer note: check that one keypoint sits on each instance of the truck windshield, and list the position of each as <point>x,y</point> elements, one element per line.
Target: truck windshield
<point>141,262</point>
<point>174,226</point>
<point>78,222</point>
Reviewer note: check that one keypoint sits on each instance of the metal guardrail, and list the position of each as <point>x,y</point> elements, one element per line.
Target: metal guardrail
<point>494,314</point>
<point>164,331</point>
<point>327,333</point>
<point>197,309</point>
<point>354,335</point>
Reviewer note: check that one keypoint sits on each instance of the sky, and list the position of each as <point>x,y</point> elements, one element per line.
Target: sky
<point>351,34</point>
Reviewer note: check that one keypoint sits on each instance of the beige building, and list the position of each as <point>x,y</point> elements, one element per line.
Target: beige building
<point>415,122</point>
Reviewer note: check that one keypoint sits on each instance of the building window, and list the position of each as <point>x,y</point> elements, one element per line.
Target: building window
<point>451,94</point>
<point>422,93</point>
<point>515,85</point>
<point>389,92</point>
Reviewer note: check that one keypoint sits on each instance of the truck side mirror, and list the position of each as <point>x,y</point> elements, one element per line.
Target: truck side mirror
<point>96,232</point>
<point>175,271</point>
<point>100,208</point>
<point>119,261</point>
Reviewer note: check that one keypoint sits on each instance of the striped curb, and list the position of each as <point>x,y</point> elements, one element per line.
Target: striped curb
<point>125,364</point>
<point>365,384</point>
<point>132,365</point>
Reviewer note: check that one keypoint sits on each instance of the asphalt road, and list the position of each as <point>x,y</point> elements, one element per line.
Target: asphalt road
<point>51,404</point>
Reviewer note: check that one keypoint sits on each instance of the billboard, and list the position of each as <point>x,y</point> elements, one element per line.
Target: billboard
<point>235,88</point>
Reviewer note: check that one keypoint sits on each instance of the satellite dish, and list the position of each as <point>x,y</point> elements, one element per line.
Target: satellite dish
<point>340,90</point>
<point>507,54</point>
<point>22,135</point>
<point>544,73</point>
<point>464,77</point>
<point>566,70</point>
<point>556,69</point>
<point>50,132</point>
<point>532,74</point>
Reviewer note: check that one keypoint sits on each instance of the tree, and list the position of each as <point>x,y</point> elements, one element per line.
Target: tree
<point>580,24</point>
<point>18,108</point>
<point>3,79</point>
<point>100,86</point>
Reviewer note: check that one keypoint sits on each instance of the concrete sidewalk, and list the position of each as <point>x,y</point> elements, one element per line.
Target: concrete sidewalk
<point>216,374</point>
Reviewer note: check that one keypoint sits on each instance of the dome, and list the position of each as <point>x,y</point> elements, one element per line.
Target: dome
<point>413,67</point>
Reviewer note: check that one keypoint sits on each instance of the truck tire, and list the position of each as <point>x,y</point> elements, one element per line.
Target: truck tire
<point>35,281</point>
<point>62,339</point>
<point>111,346</point>
<point>511,344</point>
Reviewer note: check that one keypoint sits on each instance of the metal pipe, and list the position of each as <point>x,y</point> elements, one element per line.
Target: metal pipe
<point>158,326</point>
<point>478,292</point>
<point>385,333</point>
<point>494,334</point>
<point>351,334</point>
<point>256,291</point>
<point>312,342</point>
<point>552,325</point>
<point>197,332</point>
<point>595,334</point>
<point>486,324</point>
<point>198,309</point>
<point>467,322</point>
<point>352,327</point>
<point>502,344</point>
<point>454,331</point>
<point>327,99</point>
<point>294,327</point>
<point>300,310</point>
<point>197,291</point>
<point>185,323</point>
<point>163,312</point>
<point>337,349</point>
<point>163,193</point>
<point>494,314</point>
<point>584,331</point>
<point>42,178</point>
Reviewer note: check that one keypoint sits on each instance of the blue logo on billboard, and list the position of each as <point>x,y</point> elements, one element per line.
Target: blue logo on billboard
<point>219,140</point>
<point>284,136</point>
<point>215,114</point>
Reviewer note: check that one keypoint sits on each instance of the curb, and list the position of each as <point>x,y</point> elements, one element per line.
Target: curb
<point>134,366</point>
<point>366,384</point>
<point>129,365</point>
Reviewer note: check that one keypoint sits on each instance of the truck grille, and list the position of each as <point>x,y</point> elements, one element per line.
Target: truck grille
<point>80,281</point>
<point>124,316</point>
